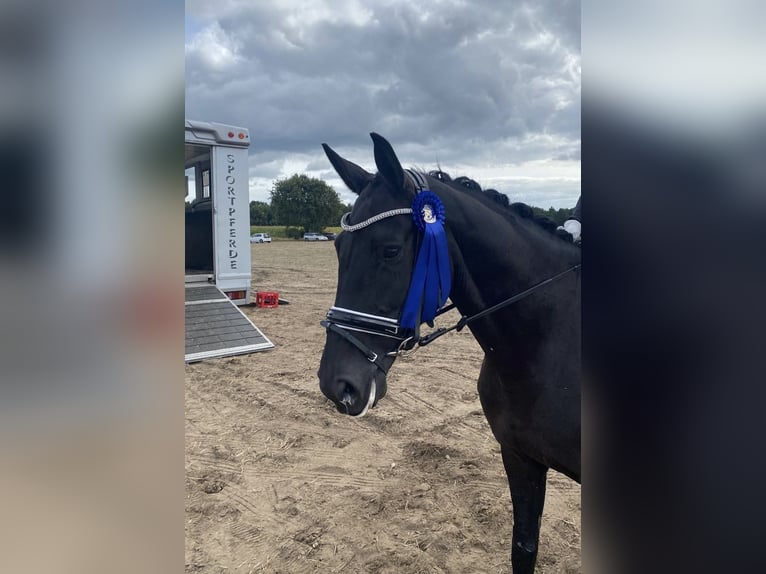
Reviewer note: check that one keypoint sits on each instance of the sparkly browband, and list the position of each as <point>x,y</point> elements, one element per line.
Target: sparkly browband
<point>374,219</point>
<point>417,179</point>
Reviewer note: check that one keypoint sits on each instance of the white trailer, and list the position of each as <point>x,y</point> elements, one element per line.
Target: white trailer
<point>217,239</point>
<point>218,212</point>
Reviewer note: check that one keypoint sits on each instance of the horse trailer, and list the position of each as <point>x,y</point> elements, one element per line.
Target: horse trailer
<point>217,242</point>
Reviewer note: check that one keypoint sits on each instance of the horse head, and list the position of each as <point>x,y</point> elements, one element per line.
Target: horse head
<point>376,254</point>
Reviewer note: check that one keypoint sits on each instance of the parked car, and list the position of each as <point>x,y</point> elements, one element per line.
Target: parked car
<point>314,237</point>
<point>260,238</point>
<point>331,236</point>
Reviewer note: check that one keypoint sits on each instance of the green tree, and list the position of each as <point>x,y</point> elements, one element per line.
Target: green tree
<point>305,202</point>
<point>260,213</point>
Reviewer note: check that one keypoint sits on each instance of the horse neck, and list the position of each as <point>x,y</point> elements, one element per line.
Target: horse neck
<point>496,256</point>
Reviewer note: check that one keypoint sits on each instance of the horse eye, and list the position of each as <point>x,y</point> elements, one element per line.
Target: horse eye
<point>391,251</point>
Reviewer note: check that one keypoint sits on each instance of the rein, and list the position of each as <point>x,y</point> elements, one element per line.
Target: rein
<point>464,320</point>
<point>342,321</point>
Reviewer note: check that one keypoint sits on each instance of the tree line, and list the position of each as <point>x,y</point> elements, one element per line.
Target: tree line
<point>310,204</point>
<point>300,201</point>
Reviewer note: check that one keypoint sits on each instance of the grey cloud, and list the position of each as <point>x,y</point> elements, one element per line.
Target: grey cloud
<point>457,82</point>
<point>317,164</point>
<point>270,170</point>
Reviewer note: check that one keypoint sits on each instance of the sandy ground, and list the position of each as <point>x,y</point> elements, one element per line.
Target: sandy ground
<point>277,481</point>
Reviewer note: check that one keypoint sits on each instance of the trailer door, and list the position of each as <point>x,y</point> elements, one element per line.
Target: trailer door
<point>231,212</point>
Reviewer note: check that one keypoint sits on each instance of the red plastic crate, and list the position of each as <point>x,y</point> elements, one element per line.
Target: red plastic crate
<point>267,299</point>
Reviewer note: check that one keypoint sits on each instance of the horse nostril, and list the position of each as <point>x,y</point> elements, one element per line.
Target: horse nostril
<point>346,397</point>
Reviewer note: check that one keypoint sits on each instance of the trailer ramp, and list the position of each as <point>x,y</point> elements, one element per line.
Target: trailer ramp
<point>216,327</point>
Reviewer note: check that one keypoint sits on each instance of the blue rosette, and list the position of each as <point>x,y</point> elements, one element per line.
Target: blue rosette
<point>432,277</point>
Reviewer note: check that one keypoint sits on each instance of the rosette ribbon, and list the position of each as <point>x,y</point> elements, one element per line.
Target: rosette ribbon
<point>431,278</point>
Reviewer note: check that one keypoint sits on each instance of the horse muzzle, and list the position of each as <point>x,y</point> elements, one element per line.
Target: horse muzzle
<point>351,397</point>
<point>352,373</point>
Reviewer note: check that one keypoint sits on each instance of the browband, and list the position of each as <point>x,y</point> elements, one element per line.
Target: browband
<point>417,179</point>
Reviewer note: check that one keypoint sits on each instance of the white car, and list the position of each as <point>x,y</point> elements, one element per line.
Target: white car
<point>260,238</point>
<point>314,237</point>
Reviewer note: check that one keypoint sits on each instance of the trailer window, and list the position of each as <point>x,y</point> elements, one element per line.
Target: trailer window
<point>190,185</point>
<point>206,184</point>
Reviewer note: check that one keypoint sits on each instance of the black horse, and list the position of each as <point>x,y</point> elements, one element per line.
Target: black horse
<point>529,383</point>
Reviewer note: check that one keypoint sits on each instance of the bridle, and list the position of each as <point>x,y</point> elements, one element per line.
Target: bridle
<point>345,322</point>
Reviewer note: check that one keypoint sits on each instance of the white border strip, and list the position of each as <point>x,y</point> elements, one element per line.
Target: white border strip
<point>229,352</point>
<point>201,301</point>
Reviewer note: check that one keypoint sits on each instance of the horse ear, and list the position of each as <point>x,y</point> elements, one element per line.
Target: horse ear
<point>355,177</point>
<point>387,162</point>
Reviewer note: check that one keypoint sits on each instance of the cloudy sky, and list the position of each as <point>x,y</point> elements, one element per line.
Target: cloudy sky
<point>487,88</point>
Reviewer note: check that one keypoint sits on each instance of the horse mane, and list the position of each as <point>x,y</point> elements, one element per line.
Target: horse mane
<point>522,210</point>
